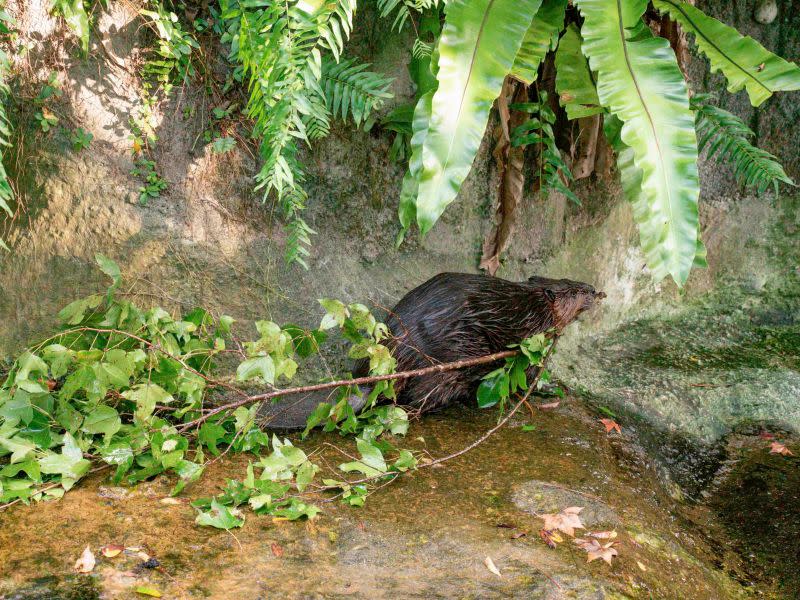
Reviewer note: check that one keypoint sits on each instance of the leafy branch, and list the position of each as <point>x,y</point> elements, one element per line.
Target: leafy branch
<point>126,388</point>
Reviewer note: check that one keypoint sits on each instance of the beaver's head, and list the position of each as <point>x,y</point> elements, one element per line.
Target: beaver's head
<point>567,298</point>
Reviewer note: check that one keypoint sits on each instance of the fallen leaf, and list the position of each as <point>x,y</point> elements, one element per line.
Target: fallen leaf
<point>277,551</point>
<point>147,591</point>
<point>547,537</point>
<point>172,501</point>
<point>86,562</point>
<point>604,535</point>
<point>518,534</point>
<point>779,448</point>
<point>143,556</point>
<point>611,425</point>
<point>567,520</point>
<point>597,550</point>
<point>548,405</point>
<point>641,566</point>
<point>111,550</point>
<point>506,526</point>
<point>491,566</point>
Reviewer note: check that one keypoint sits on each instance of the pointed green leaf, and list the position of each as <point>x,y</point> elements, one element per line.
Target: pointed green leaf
<point>477,48</point>
<point>744,62</point>
<point>574,81</point>
<point>260,367</point>
<point>219,516</point>
<point>539,40</point>
<point>639,81</point>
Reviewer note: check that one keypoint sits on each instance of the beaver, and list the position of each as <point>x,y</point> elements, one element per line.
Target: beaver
<point>450,317</point>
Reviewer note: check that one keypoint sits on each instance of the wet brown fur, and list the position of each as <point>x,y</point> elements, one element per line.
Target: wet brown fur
<point>455,316</point>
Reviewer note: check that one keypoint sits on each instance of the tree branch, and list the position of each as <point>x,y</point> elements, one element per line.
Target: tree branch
<point>451,366</point>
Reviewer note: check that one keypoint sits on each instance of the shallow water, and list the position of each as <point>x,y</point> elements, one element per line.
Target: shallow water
<point>424,536</point>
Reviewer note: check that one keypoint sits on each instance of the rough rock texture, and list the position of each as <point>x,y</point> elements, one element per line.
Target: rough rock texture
<point>207,241</point>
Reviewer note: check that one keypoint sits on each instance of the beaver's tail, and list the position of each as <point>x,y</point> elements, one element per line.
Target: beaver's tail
<point>291,412</point>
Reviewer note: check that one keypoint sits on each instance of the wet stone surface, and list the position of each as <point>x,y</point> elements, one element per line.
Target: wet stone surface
<point>427,535</point>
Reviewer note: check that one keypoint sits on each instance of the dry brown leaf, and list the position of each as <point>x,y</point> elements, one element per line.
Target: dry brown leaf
<point>491,566</point>
<point>597,550</point>
<point>547,536</point>
<point>277,550</point>
<point>779,448</point>
<point>548,405</point>
<point>518,534</point>
<point>604,535</point>
<point>510,163</point>
<point>86,562</point>
<point>611,425</point>
<point>567,520</point>
<point>111,550</point>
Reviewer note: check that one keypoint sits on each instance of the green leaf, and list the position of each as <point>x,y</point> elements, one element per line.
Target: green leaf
<point>492,390</point>
<point>219,516</point>
<point>574,82</point>
<point>189,472</point>
<point>407,209</point>
<point>539,39</point>
<point>30,467</point>
<point>352,91</point>
<point>146,396</point>
<point>102,419</point>
<point>360,467</point>
<point>639,81</point>
<point>29,363</point>
<point>210,435</point>
<point>479,42</point>
<point>59,357</point>
<point>371,455</point>
<point>74,14</point>
<point>305,475</point>
<point>381,361</point>
<point>259,367</point>
<point>336,313</point>
<point>110,268</point>
<point>744,62</point>
<point>19,447</point>
<point>306,342</point>
<point>73,313</point>
<point>728,139</point>
<point>70,464</point>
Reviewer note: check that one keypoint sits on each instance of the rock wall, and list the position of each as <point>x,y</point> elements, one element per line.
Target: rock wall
<point>208,241</point>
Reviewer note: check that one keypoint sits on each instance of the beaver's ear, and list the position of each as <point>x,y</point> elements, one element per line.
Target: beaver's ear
<point>549,294</point>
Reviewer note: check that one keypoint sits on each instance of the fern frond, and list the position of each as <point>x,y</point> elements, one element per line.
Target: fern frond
<point>421,49</point>
<point>6,193</point>
<point>403,8</point>
<point>554,174</point>
<point>333,25</point>
<point>727,138</point>
<point>170,61</point>
<point>350,90</point>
